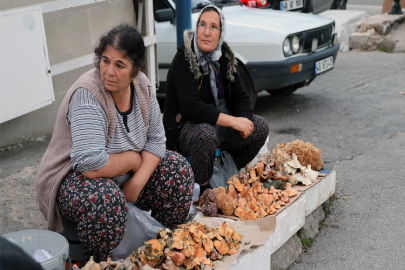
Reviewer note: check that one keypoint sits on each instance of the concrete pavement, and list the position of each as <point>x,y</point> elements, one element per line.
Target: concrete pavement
<point>354,114</point>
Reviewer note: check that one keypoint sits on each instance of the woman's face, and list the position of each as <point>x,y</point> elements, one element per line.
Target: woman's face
<point>208,38</point>
<point>115,70</point>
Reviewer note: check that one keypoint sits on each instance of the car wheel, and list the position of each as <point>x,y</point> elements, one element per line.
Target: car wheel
<point>283,92</point>
<point>248,84</point>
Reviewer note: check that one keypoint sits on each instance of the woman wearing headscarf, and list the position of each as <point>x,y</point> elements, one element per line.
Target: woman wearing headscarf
<point>206,104</point>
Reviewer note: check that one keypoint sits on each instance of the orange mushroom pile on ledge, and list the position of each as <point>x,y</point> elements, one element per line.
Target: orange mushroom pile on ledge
<point>245,197</point>
<point>192,245</point>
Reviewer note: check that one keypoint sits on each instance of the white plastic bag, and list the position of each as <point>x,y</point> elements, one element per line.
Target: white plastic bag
<point>41,255</point>
<point>196,196</point>
<point>140,227</point>
<point>224,168</point>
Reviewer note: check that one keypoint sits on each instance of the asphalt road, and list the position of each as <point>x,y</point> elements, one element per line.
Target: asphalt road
<point>355,115</point>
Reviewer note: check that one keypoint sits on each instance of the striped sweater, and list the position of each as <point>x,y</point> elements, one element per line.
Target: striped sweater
<point>56,163</point>
<point>89,129</point>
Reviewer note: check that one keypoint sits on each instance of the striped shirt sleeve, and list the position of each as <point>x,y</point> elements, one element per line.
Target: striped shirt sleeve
<point>89,132</point>
<point>156,139</point>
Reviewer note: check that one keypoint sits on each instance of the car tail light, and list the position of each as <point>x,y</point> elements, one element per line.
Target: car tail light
<point>254,3</point>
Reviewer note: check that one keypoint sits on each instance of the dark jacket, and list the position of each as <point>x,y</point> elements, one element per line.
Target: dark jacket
<point>182,100</point>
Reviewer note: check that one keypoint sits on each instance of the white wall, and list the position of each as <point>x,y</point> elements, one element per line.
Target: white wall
<point>71,33</point>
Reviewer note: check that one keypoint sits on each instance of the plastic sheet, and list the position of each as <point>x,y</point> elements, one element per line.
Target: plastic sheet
<point>224,168</point>
<point>140,227</point>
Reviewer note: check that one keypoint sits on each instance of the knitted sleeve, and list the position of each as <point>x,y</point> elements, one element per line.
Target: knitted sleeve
<point>89,132</point>
<point>156,140</point>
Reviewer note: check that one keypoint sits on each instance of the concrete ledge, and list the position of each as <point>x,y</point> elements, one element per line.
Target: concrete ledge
<point>319,193</point>
<point>289,221</point>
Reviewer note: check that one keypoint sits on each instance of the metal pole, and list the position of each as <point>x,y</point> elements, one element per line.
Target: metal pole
<point>183,18</point>
<point>396,8</point>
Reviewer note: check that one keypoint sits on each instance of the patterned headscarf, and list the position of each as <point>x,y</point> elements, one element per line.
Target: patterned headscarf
<point>209,61</point>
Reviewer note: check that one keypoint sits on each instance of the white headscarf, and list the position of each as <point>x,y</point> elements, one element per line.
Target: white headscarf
<point>209,61</point>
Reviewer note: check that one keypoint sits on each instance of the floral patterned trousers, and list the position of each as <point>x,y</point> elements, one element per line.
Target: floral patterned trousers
<point>199,141</point>
<point>99,209</point>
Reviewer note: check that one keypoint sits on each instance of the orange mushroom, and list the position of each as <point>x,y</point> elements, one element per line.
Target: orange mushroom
<point>198,250</point>
<point>188,251</point>
<point>290,192</point>
<point>225,229</point>
<point>207,243</point>
<point>236,236</point>
<point>253,176</point>
<point>237,184</point>
<point>221,247</point>
<point>178,258</point>
<point>232,192</point>
<point>154,248</point>
<point>202,260</point>
<point>234,245</point>
<point>261,213</point>
<point>253,205</point>
<point>259,168</point>
<point>232,251</point>
<point>240,212</point>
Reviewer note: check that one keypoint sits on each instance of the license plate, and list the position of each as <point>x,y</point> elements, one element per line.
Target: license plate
<point>323,65</point>
<point>291,4</point>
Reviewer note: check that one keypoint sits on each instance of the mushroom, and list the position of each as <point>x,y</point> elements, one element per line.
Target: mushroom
<point>290,192</point>
<point>221,246</point>
<point>311,174</point>
<point>169,265</point>
<point>288,169</point>
<point>232,192</point>
<point>294,162</point>
<point>253,176</point>
<point>302,179</point>
<point>91,265</point>
<point>259,168</point>
<point>178,258</point>
<point>260,212</point>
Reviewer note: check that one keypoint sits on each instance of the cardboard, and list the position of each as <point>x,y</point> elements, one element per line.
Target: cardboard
<point>254,234</point>
<point>387,6</point>
<point>302,188</point>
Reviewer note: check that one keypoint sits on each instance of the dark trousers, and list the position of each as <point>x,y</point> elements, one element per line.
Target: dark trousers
<point>199,141</point>
<point>99,209</point>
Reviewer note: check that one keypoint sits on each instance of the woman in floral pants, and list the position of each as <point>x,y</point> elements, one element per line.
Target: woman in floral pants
<point>108,149</point>
<point>99,208</point>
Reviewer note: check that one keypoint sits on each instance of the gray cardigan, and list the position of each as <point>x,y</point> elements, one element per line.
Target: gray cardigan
<point>56,163</point>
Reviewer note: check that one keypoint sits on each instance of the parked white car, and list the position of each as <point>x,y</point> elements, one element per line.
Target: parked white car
<point>277,51</point>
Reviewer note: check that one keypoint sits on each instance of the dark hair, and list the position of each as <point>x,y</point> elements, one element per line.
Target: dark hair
<point>125,39</point>
<point>211,9</point>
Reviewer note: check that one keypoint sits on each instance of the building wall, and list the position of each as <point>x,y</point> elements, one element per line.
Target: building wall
<point>70,33</point>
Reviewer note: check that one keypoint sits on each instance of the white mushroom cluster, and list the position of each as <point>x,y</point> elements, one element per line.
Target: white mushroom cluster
<point>299,174</point>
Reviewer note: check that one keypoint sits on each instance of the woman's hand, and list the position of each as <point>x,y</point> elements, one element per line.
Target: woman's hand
<point>243,125</point>
<point>131,189</point>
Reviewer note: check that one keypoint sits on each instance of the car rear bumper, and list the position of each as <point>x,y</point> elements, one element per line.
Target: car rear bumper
<point>276,75</point>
